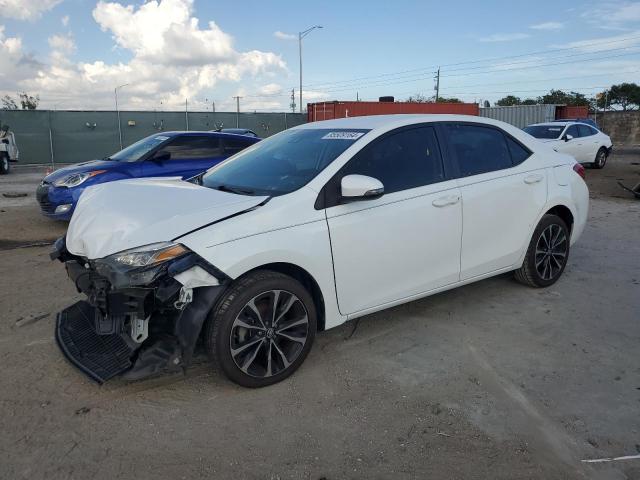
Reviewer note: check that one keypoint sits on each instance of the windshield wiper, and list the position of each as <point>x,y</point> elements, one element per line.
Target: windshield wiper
<point>236,190</point>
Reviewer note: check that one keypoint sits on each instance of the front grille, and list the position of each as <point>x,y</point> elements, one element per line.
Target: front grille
<point>42,195</point>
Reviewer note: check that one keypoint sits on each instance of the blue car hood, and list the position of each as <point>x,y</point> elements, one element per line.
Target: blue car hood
<point>81,168</point>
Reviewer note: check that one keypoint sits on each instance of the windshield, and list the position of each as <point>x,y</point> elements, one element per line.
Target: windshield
<point>139,149</point>
<point>545,131</point>
<point>282,163</point>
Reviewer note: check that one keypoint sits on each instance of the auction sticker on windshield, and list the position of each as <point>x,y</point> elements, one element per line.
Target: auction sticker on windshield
<point>343,135</point>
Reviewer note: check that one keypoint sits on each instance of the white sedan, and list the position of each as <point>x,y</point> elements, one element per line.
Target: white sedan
<point>583,142</point>
<point>314,226</point>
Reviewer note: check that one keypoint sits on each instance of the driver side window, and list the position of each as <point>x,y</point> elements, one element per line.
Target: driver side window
<point>408,159</point>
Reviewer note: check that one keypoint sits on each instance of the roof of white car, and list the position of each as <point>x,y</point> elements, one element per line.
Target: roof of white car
<point>559,124</point>
<point>379,121</point>
<point>551,124</point>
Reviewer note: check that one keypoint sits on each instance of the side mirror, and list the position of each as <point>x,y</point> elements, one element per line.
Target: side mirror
<point>360,187</point>
<point>568,137</point>
<point>161,156</point>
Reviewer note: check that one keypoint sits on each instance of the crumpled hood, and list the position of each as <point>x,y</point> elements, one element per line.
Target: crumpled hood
<point>117,216</point>
<point>81,168</point>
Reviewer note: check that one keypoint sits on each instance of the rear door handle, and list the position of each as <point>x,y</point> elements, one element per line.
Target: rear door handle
<point>535,178</point>
<point>444,201</point>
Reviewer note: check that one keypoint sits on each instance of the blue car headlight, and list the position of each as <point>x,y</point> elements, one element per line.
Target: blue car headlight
<point>76,179</point>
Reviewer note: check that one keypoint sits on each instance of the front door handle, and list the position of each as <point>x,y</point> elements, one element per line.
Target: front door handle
<point>535,178</point>
<point>444,201</point>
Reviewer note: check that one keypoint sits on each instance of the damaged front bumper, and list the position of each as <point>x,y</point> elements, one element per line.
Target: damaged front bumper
<point>135,323</point>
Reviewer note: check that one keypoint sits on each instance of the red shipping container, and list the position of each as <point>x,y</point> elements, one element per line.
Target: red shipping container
<point>566,111</point>
<point>330,110</point>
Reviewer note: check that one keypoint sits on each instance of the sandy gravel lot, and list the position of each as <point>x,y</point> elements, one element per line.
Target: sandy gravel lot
<point>492,380</point>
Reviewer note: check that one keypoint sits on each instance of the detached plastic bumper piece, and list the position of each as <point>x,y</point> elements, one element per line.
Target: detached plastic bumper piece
<point>100,357</point>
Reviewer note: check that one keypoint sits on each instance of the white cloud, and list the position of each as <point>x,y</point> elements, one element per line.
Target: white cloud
<point>26,9</point>
<point>270,89</point>
<point>65,21</point>
<point>171,58</point>
<point>629,39</point>
<point>613,15</point>
<point>284,36</point>
<point>164,32</point>
<point>504,37</point>
<point>548,26</point>
<point>62,43</point>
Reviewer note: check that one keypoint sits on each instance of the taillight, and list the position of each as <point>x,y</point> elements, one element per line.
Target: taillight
<point>579,169</point>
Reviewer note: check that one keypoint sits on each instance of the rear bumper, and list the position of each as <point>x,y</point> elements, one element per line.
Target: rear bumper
<point>135,331</point>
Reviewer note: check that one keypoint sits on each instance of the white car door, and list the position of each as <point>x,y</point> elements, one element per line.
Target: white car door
<point>406,242</point>
<point>503,193</point>
<point>571,146</point>
<point>591,142</point>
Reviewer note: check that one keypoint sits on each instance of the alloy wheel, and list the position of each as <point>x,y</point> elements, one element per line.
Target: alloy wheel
<point>551,251</point>
<point>602,158</point>
<point>269,333</point>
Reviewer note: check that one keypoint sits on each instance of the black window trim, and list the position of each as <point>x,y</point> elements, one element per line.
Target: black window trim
<point>172,137</point>
<point>327,197</point>
<point>507,135</point>
<point>247,141</point>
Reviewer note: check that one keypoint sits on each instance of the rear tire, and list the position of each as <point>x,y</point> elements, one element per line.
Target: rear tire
<point>4,164</point>
<point>601,159</point>
<point>262,329</point>
<point>547,254</point>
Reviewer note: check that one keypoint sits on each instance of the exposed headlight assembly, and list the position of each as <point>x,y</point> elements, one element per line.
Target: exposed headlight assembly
<point>76,179</point>
<point>149,254</point>
<point>140,265</point>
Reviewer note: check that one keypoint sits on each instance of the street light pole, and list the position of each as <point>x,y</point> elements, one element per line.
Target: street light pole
<point>115,91</point>
<point>301,35</point>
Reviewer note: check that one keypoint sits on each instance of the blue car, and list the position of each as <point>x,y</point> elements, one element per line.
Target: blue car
<point>166,154</point>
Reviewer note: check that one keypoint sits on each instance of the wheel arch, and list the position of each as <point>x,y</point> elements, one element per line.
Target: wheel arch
<point>564,213</point>
<point>307,281</point>
<point>559,206</point>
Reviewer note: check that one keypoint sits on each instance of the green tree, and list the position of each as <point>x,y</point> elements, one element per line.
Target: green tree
<point>573,99</point>
<point>8,103</point>
<point>419,98</point>
<point>625,95</point>
<point>529,101</point>
<point>449,100</point>
<point>508,101</point>
<point>29,102</point>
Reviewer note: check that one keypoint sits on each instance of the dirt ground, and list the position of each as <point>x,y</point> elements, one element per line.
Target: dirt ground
<point>492,380</point>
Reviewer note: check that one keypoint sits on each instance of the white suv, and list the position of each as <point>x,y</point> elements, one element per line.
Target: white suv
<point>583,142</point>
<point>314,226</point>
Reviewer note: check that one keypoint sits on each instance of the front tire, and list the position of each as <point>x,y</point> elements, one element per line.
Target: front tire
<point>261,329</point>
<point>547,254</point>
<point>601,159</point>
<point>4,164</point>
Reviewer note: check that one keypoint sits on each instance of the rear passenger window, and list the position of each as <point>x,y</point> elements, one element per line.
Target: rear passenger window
<point>193,147</point>
<point>573,131</point>
<point>479,149</point>
<point>234,145</point>
<point>407,159</point>
<point>585,131</point>
<point>518,153</point>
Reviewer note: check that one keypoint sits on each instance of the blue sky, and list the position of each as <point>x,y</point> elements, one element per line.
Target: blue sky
<point>74,52</point>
